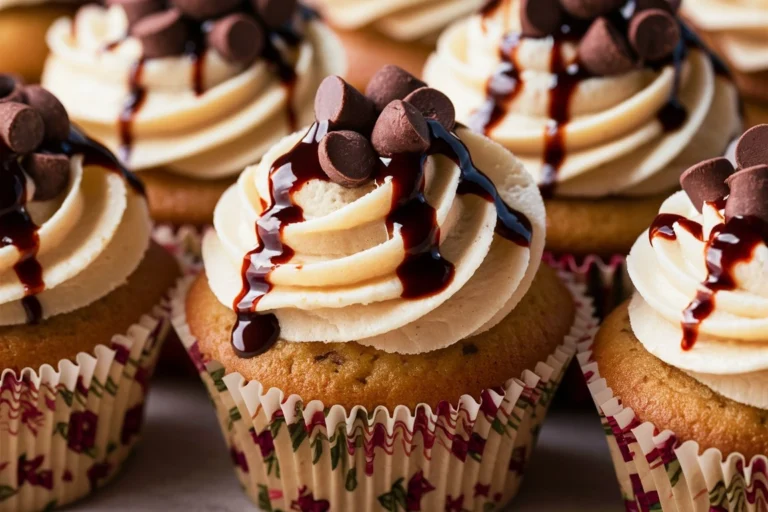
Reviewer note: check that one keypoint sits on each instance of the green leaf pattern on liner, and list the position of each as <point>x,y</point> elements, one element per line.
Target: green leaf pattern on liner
<point>6,492</point>
<point>350,483</point>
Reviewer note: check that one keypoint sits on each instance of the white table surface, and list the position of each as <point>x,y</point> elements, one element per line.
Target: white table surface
<point>182,464</point>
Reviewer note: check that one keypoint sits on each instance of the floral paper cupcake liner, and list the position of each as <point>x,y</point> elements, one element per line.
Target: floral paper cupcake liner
<point>65,433</point>
<point>472,455</point>
<point>606,281</point>
<point>656,471</point>
<point>184,243</point>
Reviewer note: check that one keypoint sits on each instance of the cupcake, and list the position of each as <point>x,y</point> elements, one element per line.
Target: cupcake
<point>372,302</point>
<point>375,32</point>
<point>680,373</point>
<point>738,30</point>
<point>189,94</point>
<point>604,103</point>
<point>83,306</point>
<point>23,24</point>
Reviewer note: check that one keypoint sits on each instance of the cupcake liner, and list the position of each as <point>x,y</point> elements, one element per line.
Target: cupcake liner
<point>64,433</point>
<point>305,457</point>
<point>656,471</point>
<point>184,243</point>
<point>606,281</point>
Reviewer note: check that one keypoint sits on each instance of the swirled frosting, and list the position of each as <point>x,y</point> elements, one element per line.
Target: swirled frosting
<point>343,282</point>
<point>200,117</point>
<point>402,20</point>
<point>591,136</point>
<point>89,240</point>
<point>739,28</point>
<point>668,266</point>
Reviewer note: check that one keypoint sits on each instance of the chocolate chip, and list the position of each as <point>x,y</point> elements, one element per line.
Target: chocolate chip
<point>752,147</point>
<point>161,34</point>
<point>400,129</point>
<point>749,193</point>
<point>237,37</point>
<point>588,9</point>
<point>706,181</point>
<point>205,9</point>
<point>50,172</point>
<point>604,51</point>
<point>137,9</point>
<point>275,12</point>
<point>391,83</point>
<point>654,34</point>
<point>55,117</point>
<point>347,158</point>
<point>671,6</point>
<point>540,18</point>
<point>21,127</point>
<point>433,104</point>
<point>343,106</point>
<point>11,88</point>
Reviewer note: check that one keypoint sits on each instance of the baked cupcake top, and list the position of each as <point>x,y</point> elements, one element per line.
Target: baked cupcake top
<point>701,272</point>
<point>73,222</point>
<point>402,20</point>
<point>595,97</point>
<point>376,225</point>
<point>739,26</point>
<point>199,88</point>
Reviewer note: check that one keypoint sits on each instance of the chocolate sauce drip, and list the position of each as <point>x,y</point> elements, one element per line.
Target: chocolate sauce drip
<point>197,49</point>
<point>729,244</point>
<point>423,272</point>
<point>19,230</point>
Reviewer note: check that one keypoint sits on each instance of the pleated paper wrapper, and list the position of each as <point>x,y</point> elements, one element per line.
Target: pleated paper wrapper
<point>66,432</point>
<point>468,456</point>
<point>656,471</point>
<point>184,243</point>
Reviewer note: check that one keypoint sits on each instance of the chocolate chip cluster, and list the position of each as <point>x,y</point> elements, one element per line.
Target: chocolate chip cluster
<point>30,118</point>
<point>389,119</point>
<point>619,34</point>
<point>745,186</point>
<point>237,29</point>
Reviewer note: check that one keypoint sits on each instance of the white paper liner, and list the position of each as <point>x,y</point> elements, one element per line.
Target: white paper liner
<point>657,472</point>
<point>184,243</point>
<point>64,433</point>
<point>305,457</point>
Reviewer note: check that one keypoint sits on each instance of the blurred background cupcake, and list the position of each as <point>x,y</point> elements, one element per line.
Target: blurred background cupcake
<point>680,373</point>
<point>83,305</point>
<point>738,30</point>
<point>394,310</point>
<point>23,24</point>
<point>376,33</point>
<point>604,103</point>
<point>189,92</point>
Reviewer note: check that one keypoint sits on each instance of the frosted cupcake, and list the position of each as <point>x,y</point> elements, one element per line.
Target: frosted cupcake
<point>189,94</point>
<point>605,104</point>
<point>738,29</point>
<point>376,32</point>
<point>23,24</point>
<point>391,290</point>
<point>680,373</point>
<point>83,305</point>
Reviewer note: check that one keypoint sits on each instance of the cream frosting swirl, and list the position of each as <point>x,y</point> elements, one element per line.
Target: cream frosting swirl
<point>90,239</point>
<point>342,282</point>
<point>240,114</point>
<point>730,354</point>
<point>608,134</point>
<point>740,28</point>
<point>402,20</point>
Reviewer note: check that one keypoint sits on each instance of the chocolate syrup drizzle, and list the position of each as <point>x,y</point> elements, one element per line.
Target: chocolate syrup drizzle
<point>729,244</point>
<point>197,50</point>
<point>17,227</point>
<point>423,272</point>
<point>505,85</point>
